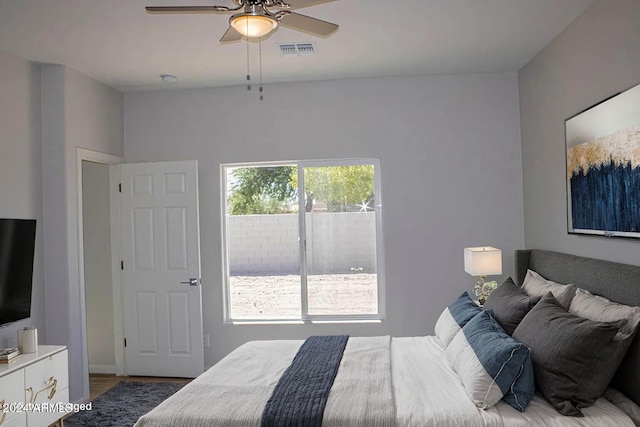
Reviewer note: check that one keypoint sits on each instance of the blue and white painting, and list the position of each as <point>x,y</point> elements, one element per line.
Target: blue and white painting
<point>603,168</point>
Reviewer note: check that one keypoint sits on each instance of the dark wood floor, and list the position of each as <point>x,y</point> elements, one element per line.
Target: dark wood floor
<point>99,383</point>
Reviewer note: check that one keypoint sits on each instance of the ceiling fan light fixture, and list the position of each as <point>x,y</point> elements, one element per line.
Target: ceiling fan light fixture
<point>253,26</point>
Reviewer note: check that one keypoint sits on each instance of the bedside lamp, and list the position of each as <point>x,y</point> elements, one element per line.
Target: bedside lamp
<point>482,261</point>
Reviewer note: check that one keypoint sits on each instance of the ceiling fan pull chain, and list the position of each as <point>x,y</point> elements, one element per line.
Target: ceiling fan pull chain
<point>261,89</point>
<point>248,72</point>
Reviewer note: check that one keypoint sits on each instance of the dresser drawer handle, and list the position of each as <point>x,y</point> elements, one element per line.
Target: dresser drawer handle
<point>4,413</point>
<point>51,384</point>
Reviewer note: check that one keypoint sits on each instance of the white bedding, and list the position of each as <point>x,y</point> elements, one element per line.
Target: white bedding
<point>426,391</point>
<point>234,392</point>
<point>249,373</point>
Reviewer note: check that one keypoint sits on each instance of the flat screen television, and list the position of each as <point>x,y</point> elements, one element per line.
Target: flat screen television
<point>17,244</point>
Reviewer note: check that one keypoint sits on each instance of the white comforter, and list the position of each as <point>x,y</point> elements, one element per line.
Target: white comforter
<point>235,391</point>
<point>426,392</point>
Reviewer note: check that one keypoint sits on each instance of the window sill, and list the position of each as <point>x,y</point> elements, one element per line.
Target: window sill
<point>299,322</point>
<point>263,322</point>
<point>345,321</point>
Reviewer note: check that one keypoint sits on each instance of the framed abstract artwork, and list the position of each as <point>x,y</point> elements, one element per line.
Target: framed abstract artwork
<point>603,167</point>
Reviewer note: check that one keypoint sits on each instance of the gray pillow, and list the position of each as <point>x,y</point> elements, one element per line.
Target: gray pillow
<point>509,304</point>
<point>569,355</point>
<point>536,285</point>
<point>595,307</point>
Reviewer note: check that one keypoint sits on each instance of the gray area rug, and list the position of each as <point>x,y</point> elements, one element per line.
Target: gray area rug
<point>122,405</point>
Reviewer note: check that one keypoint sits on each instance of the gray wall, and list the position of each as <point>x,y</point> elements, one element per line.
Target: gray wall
<point>98,287</point>
<point>77,112</point>
<point>21,171</point>
<point>595,57</point>
<point>449,148</point>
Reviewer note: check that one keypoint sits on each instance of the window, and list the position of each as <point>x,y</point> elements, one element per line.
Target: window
<point>302,241</point>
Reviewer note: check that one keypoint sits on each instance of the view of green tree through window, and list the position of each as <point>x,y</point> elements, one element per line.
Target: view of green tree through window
<point>292,257</point>
<point>262,190</point>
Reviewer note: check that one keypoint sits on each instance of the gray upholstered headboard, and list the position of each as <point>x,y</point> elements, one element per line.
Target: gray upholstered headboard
<point>612,280</point>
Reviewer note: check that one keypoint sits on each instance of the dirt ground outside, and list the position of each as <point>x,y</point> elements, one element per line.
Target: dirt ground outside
<point>278,297</point>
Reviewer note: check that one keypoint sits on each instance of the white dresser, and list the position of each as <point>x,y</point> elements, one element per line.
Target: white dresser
<point>34,388</point>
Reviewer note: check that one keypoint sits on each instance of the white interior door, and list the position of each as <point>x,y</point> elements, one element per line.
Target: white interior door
<point>161,296</point>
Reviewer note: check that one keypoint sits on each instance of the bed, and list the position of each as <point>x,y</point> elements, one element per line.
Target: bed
<point>408,381</point>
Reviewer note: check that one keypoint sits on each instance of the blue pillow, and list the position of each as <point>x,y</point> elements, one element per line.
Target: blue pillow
<point>491,364</point>
<point>522,390</point>
<point>454,317</point>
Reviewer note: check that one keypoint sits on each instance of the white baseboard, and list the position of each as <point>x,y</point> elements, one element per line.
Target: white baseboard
<point>102,369</point>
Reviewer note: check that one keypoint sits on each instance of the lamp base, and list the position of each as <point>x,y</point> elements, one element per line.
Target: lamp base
<point>483,289</point>
<point>478,289</point>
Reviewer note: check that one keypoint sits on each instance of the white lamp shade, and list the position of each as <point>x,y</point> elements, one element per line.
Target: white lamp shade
<point>483,261</point>
<point>253,25</point>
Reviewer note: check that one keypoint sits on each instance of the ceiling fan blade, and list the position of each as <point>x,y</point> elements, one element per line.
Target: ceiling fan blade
<point>187,9</point>
<point>299,4</point>
<point>295,21</point>
<point>231,35</point>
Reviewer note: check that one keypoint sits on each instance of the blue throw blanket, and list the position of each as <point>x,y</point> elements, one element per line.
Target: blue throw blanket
<point>301,393</point>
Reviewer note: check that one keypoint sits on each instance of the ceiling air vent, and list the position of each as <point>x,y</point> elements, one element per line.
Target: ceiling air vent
<point>299,49</point>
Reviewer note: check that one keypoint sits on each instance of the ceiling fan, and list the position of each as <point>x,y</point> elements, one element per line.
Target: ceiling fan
<point>257,18</point>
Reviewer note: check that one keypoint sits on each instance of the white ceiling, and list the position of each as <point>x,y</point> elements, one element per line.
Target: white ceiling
<point>118,43</point>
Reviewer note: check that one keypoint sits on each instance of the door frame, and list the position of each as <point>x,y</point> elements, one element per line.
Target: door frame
<point>83,154</point>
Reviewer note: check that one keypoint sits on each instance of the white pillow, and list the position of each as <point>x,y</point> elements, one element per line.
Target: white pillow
<point>491,364</point>
<point>600,309</point>
<point>625,404</point>
<point>446,327</point>
<point>536,285</point>
<point>454,317</point>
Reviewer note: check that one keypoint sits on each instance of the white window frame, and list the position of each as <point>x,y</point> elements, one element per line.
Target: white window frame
<point>306,317</point>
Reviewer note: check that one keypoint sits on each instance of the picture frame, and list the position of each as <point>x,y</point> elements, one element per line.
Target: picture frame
<point>602,148</point>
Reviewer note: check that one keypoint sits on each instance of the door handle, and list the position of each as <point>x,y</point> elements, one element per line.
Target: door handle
<point>192,282</point>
